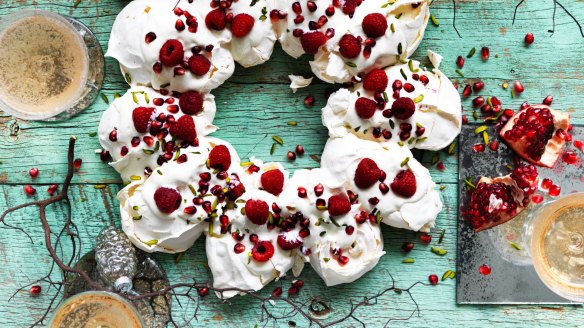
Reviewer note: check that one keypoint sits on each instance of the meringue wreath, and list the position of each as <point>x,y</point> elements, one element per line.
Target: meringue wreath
<point>261,222</point>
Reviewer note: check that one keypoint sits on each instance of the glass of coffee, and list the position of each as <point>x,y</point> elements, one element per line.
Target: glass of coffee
<point>555,238</point>
<point>51,66</point>
<point>96,310</point>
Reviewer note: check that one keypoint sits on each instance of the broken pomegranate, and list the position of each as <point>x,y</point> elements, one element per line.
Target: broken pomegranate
<point>536,134</point>
<point>498,200</point>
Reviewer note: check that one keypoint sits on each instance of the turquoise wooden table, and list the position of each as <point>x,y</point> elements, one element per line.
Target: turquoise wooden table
<point>256,104</point>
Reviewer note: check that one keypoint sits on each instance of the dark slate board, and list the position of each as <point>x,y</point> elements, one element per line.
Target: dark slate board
<point>513,279</point>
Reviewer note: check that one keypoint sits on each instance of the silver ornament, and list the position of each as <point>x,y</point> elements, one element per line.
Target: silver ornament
<point>116,260</point>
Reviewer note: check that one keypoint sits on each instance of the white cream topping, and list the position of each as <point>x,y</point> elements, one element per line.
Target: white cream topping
<point>297,82</point>
<point>363,247</point>
<point>408,23</point>
<point>233,270</point>
<point>438,110</point>
<point>136,57</point>
<point>341,157</point>
<point>119,117</point>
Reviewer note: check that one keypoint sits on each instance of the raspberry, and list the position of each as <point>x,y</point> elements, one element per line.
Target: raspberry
<point>273,181</point>
<point>262,251</point>
<point>191,102</point>
<point>367,173</point>
<point>199,65</point>
<point>216,20</point>
<point>242,25</point>
<point>142,117</point>
<point>374,25</point>
<point>220,158</point>
<point>403,108</point>
<point>184,128</point>
<point>257,211</point>
<point>349,46</point>
<point>167,199</point>
<point>338,205</point>
<point>289,244</point>
<point>365,108</point>
<point>376,81</point>
<point>404,184</point>
<point>312,41</point>
<point>349,7</point>
<point>171,53</point>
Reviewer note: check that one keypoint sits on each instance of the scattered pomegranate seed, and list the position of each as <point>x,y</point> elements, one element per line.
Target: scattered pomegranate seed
<point>343,260</point>
<point>546,183</point>
<point>478,101</point>
<point>464,119</point>
<point>291,155</point>
<point>277,292</point>
<point>518,87</point>
<point>485,53</point>
<point>555,190</point>
<point>433,279</point>
<point>309,101</point>
<point>478,148</point>
<point>426,238</point>
<point>104,155</point>
<point>485,270</point>
<point>578,144</point>
<point>299,150</point>
<point>529,38</point>
<point>537,198</point>
<point>440,166</point>
<point>460,62</point>
<point>494,145</point>
<point>35,290</point>
<point>29,190</point>
<point>349,230</point>
<point>253,238</point>
<point>203,291</point>
<point>34,172</point>
<point>293,290</point>
<point>548,100</point>
<point>239,248</point>
<point>467,91</point>
<point>478,86</point>
<point>77,163</point>
<point>407,246</point>
<point>52,188</point>
<point>570,157</point>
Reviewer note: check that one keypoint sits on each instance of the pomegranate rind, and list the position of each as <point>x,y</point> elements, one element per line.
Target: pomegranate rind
<point>554,146</point>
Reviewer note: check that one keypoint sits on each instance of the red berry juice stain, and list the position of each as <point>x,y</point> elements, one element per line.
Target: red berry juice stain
<point>485,270</point>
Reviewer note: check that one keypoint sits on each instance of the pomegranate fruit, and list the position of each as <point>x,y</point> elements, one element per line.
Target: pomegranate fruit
<point>536,134</point>
<point>498,200</point>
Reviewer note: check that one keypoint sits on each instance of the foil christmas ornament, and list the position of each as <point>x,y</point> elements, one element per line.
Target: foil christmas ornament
<point>116,260</point>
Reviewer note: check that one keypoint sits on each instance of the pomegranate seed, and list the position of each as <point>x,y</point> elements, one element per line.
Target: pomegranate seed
<point>383,188</point>
<point>253,238</point>
<point>34,172</point>
<point>478,101</point>
<point>485,53</point>
<point>548,100</point>
<point>157,68</point>
<point>485,270</point>
<point>35,290</point>
<point>277,292</point>
<point>426,238</point>
<point>555,190</point>
<point>311,5</point>
<point>460,62</point>
<point>151,36</point>
<point>546,183</point>
<point>52,189</point>
<point>291,156</point>
<point>397,85</point>
<point>190,210</point>
<point>578,144</point>
<point>440,166</point>
<point>318,189</point>
<point>529,38</point>
<point>293,290</point>
<point>29,190</point>
<point>239,248</point>
<point>303,233</point>
<point>309,101</point>
<point>302,192</point>
<point>330,33</point>
<point>343,260</point>
<point>104,155</point>
<point>296,8</point>
<point>77,163</point>
<point>408,87</point>
<point>330,10</point>
<point>478,148</point>
<point>179,25</point>
<point>204,291</point>
<point>424,79</point>
<point>299,150</point>
<point>494,145</point>
<point>182,158</point>
<point>537,198</point>
<point>298,283</point>
<point>113,136</point>
<point>524,105</point>
<point>464,119</point>
<point>407,246</point>
<point>433,279</point>
<point>570,157</point>
<point>135,141</point>
<point>518,87</point>
<point>349,230</point>
<point>478,86</point>
<point>467,91</point>
<point>299,19</point>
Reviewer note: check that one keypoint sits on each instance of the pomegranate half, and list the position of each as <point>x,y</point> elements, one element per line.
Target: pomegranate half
<point>497,200</point>
<point>537,134</point>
